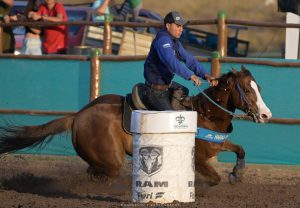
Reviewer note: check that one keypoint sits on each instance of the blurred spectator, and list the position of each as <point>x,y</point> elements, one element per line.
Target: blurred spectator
<point>101,8</point>
<point>32,44</point>
<point>55,38</point>
<point>135,6</point>
<point>8,40</point>
<point>128,7</point>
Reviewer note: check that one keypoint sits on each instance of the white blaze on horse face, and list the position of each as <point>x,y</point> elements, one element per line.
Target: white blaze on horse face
<point>263,111</point>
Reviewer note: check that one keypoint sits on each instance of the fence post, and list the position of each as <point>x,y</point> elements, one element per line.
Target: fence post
<point>95,75</point>
<point>215,72</point>
<point>1,35</point>
<point>215,64</point>
<point>1,40</point>
<point>107,45</point>
<point>222,34</point>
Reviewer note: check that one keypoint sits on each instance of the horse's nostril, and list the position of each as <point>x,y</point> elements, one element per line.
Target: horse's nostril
<point>264,116</point>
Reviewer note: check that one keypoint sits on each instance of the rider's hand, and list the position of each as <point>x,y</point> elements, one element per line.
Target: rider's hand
<point>196,80</point>
<point>211,80</point>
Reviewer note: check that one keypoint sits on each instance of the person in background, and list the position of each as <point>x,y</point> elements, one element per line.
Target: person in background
<point>135,6</point>
<point>55,38</point>
<point>166,58</point>
<point>32,44</point>
<point>8,39</point>
<point>101,8</point>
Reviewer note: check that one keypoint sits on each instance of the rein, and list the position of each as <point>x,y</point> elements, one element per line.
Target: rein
<point>216,104</point>
<point>242,97</point>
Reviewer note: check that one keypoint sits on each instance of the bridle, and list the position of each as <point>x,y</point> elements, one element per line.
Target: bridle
<point>243,98</point>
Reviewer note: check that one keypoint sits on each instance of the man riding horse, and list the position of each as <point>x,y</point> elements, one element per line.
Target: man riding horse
<point>165,60</point>
<point>98,135</point>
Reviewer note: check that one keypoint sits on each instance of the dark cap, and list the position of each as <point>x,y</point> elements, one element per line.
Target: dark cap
<point>174,17</point>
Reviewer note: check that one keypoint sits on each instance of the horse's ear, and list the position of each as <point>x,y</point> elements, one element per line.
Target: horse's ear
<point>234,71</point>
<point>243,68</point>
<point>231,76</point>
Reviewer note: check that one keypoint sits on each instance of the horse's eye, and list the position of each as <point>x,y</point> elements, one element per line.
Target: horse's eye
<point>247,91</point>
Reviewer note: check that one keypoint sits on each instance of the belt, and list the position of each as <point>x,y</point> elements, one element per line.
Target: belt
<point>158,86</point>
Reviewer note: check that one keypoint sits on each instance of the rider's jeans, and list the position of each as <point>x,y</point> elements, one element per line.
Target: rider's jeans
<point>159,99</point>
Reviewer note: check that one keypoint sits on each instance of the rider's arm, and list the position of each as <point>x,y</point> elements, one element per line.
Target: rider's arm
<point>164,48</point>
<point>192,63</point>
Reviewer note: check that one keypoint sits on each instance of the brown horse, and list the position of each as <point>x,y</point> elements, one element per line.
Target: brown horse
<point>99,139</point>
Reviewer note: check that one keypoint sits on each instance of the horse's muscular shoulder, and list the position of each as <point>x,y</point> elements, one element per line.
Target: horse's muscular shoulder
<point>110,99</point>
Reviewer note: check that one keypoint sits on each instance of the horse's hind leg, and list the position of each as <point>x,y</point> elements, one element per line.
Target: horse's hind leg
<point>238,169</point>
<point>107,168</point>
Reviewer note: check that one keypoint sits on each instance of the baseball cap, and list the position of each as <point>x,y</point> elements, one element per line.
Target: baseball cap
<point>174,17</point>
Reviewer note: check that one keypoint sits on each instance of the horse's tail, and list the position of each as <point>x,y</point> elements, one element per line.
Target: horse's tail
<point>13,138</point>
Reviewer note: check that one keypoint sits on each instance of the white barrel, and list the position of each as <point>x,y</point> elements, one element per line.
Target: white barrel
<point>163,167</point>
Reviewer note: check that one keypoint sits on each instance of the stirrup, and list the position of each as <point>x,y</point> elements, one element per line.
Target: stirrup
<point>178,96</point>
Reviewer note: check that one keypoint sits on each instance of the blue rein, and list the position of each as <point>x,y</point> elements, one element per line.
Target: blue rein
<point>213,102</point>
<point>242,98</point>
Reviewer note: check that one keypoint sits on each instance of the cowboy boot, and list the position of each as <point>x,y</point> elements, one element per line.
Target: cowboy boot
<point>178,95</point>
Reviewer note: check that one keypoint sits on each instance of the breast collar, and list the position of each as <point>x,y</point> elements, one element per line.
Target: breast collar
<point>211,136</point>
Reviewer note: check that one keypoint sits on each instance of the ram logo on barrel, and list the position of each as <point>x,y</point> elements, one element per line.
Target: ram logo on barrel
<point>150,159</point>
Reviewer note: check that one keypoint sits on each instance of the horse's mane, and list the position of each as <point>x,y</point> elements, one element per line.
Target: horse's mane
<point>223,81</point>
<point>231,74</point>
<point>200,102</point>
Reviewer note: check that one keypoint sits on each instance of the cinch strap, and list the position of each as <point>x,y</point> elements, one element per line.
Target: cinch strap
<point>211,136</point>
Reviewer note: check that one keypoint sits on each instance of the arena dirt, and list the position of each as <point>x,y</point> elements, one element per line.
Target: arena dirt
<point>44,182</point>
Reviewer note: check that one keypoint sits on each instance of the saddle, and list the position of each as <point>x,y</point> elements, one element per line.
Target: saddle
<point>133,101</point>
<point>136,100</point>
<point>138,96</point>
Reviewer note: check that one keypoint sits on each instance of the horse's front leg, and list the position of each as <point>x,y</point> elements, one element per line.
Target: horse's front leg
<point>238,169</point>
<point>207,170</point>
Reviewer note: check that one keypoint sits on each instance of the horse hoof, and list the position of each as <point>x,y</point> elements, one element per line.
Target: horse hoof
<point>232,178</point>
<point>239,175</point>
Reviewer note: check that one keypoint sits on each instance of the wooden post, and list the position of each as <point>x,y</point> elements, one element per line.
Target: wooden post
<point>215,72</point>
<point>215,64</point>
<point>1,40</point>
<point>1,35</point>
<point>107,45</point>
<point>222,34</point>
<point>95,75</point>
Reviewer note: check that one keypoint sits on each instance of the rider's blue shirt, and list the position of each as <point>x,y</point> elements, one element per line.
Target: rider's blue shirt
<point>168,57</point>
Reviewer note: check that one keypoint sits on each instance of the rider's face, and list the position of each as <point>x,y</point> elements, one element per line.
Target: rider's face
<point>174,29</point>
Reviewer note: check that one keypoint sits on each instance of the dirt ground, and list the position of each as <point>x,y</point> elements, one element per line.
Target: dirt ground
<point>43,182</point>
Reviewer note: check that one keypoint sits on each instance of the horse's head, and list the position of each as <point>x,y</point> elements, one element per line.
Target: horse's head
<point>246,96</point>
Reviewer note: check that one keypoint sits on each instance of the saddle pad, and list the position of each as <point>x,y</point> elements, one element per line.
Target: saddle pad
<point>128,107</point>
